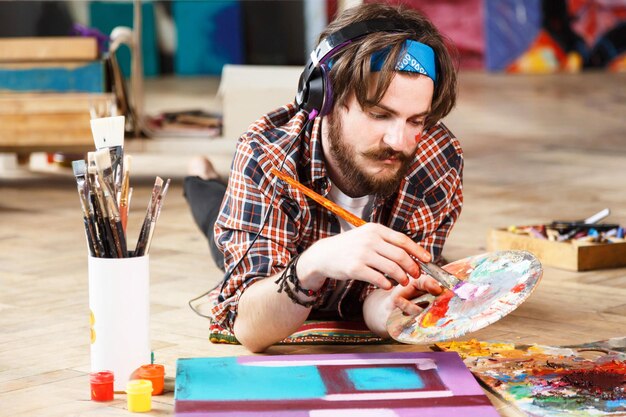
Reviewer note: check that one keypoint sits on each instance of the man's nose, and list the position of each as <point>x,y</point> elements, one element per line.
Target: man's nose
<point>396,136</point>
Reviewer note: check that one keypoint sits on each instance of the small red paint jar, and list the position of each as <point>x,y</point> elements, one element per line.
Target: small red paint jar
<point>101,386</point>
<point>154,373</point>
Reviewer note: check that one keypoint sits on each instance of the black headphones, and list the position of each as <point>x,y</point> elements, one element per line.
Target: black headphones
<point>315,94</point>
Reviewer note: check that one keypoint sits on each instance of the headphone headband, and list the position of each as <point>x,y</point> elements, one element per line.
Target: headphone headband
<point>314,88</point>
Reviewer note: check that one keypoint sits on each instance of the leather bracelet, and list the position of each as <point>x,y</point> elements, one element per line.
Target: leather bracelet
<point>293,278</point>
<point>289,275</point>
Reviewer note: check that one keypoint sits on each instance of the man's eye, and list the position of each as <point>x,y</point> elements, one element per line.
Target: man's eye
<point>379,116</point>
<point>417,122</point>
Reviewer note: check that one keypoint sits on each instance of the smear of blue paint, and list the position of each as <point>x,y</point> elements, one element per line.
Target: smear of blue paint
<point>223,379</point>
<point>382,379</point>
<point>615,403</point>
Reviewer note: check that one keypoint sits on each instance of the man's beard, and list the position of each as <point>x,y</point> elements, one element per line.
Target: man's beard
<point>357,181</point>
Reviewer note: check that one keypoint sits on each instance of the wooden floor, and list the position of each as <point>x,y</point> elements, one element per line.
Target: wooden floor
<point>537,149</point>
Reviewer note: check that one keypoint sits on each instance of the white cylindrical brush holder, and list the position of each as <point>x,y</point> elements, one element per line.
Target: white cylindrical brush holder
<point>119,300</point>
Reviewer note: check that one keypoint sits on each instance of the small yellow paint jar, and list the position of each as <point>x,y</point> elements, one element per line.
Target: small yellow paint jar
<point>139,395</point>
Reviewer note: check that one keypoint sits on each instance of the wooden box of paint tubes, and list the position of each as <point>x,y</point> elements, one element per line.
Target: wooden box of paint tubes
<point>575,246</point>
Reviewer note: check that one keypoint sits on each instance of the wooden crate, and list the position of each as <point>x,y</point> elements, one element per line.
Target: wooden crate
<point>32,122</point>
<point>563,255</point>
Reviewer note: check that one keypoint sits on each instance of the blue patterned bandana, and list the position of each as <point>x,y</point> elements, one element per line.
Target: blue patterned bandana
<point>415,57</point>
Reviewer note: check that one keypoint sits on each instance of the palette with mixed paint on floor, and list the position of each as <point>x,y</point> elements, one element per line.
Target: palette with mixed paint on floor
<point>545,381</point>
<point>506,279</point>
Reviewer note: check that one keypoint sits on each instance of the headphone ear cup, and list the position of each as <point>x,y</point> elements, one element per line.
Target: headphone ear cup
<point>327,91</point>
<point>317,93</point>
<point>312,93</point>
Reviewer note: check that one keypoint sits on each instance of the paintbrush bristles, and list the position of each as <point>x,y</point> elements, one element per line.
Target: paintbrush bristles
<point>108,131</point>
<point>102,159</point>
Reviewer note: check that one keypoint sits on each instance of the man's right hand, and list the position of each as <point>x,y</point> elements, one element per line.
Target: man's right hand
<point>372,253</point>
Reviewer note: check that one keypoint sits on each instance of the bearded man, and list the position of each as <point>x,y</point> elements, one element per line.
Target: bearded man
<point>379,150</point>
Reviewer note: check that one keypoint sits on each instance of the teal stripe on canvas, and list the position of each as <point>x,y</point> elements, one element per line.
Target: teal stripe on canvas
<point>83,78</point>
<point>213,379</point>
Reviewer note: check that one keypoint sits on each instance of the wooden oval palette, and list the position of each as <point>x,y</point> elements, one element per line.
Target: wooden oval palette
<point>508,279</point>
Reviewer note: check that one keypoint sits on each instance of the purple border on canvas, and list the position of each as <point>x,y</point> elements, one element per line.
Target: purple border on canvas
<point>452,370</point>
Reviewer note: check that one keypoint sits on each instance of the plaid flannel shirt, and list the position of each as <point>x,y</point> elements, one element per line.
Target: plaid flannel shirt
<point>425,206</point>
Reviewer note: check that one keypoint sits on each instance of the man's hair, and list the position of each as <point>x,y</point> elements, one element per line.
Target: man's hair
<point>350,70</point>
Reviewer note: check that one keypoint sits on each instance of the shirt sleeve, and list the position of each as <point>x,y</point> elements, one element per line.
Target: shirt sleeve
<point>247,201</point>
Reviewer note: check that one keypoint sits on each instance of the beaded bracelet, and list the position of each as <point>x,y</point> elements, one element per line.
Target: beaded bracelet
<point>290,275</point>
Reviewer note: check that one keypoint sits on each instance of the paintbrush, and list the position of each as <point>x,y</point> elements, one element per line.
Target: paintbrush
<point>105,175</point>
<point>142,240</point>
<point>80,173</point>
<point>99,208</point>
<point>89,202</point>
<point>155,215</point>
<point>462,289</point>
<point>124,195</point>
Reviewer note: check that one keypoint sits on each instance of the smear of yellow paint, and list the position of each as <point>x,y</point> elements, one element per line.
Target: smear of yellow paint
<point>476,348</point>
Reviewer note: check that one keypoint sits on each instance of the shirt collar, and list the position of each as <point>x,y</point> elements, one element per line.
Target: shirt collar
<point>315,155</point>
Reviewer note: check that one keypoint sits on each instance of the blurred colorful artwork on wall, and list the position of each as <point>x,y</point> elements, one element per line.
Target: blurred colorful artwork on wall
<point>531,36</point>
<point>545,36</point>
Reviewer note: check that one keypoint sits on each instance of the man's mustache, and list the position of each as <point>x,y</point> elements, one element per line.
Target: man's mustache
<point>386,153</point>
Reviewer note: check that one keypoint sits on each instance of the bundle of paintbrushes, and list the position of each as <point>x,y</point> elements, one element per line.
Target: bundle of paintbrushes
<point>105,194</point>
<point>578,232</point>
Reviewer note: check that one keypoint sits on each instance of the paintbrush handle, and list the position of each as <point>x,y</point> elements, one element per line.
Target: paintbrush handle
<point>98,246</point>
<point>90,242</point>
<point>117,239</point>
<point>140,247</point>
<point>122,238</point>
<point>89,227</point>
<point>124,216</point>
<point>109,240</point>
<point>323,201</point>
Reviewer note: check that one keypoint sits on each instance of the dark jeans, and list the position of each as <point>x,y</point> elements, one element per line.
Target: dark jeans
<point>204,198</point>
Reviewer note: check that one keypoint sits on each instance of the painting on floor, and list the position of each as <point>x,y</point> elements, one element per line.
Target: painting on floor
<point>401,384</point>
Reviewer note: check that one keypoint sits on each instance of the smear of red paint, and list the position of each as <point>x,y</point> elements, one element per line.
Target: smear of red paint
<point>418,137</point>
<point>606,380</point>
<point>518,288</point>
<point>437,310</point>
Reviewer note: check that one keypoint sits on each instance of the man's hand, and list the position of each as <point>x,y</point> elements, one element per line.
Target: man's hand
<point>372,253</point>
<point>380,303</point>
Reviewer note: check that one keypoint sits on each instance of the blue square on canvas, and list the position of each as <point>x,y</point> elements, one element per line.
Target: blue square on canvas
<point>385,378</point>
